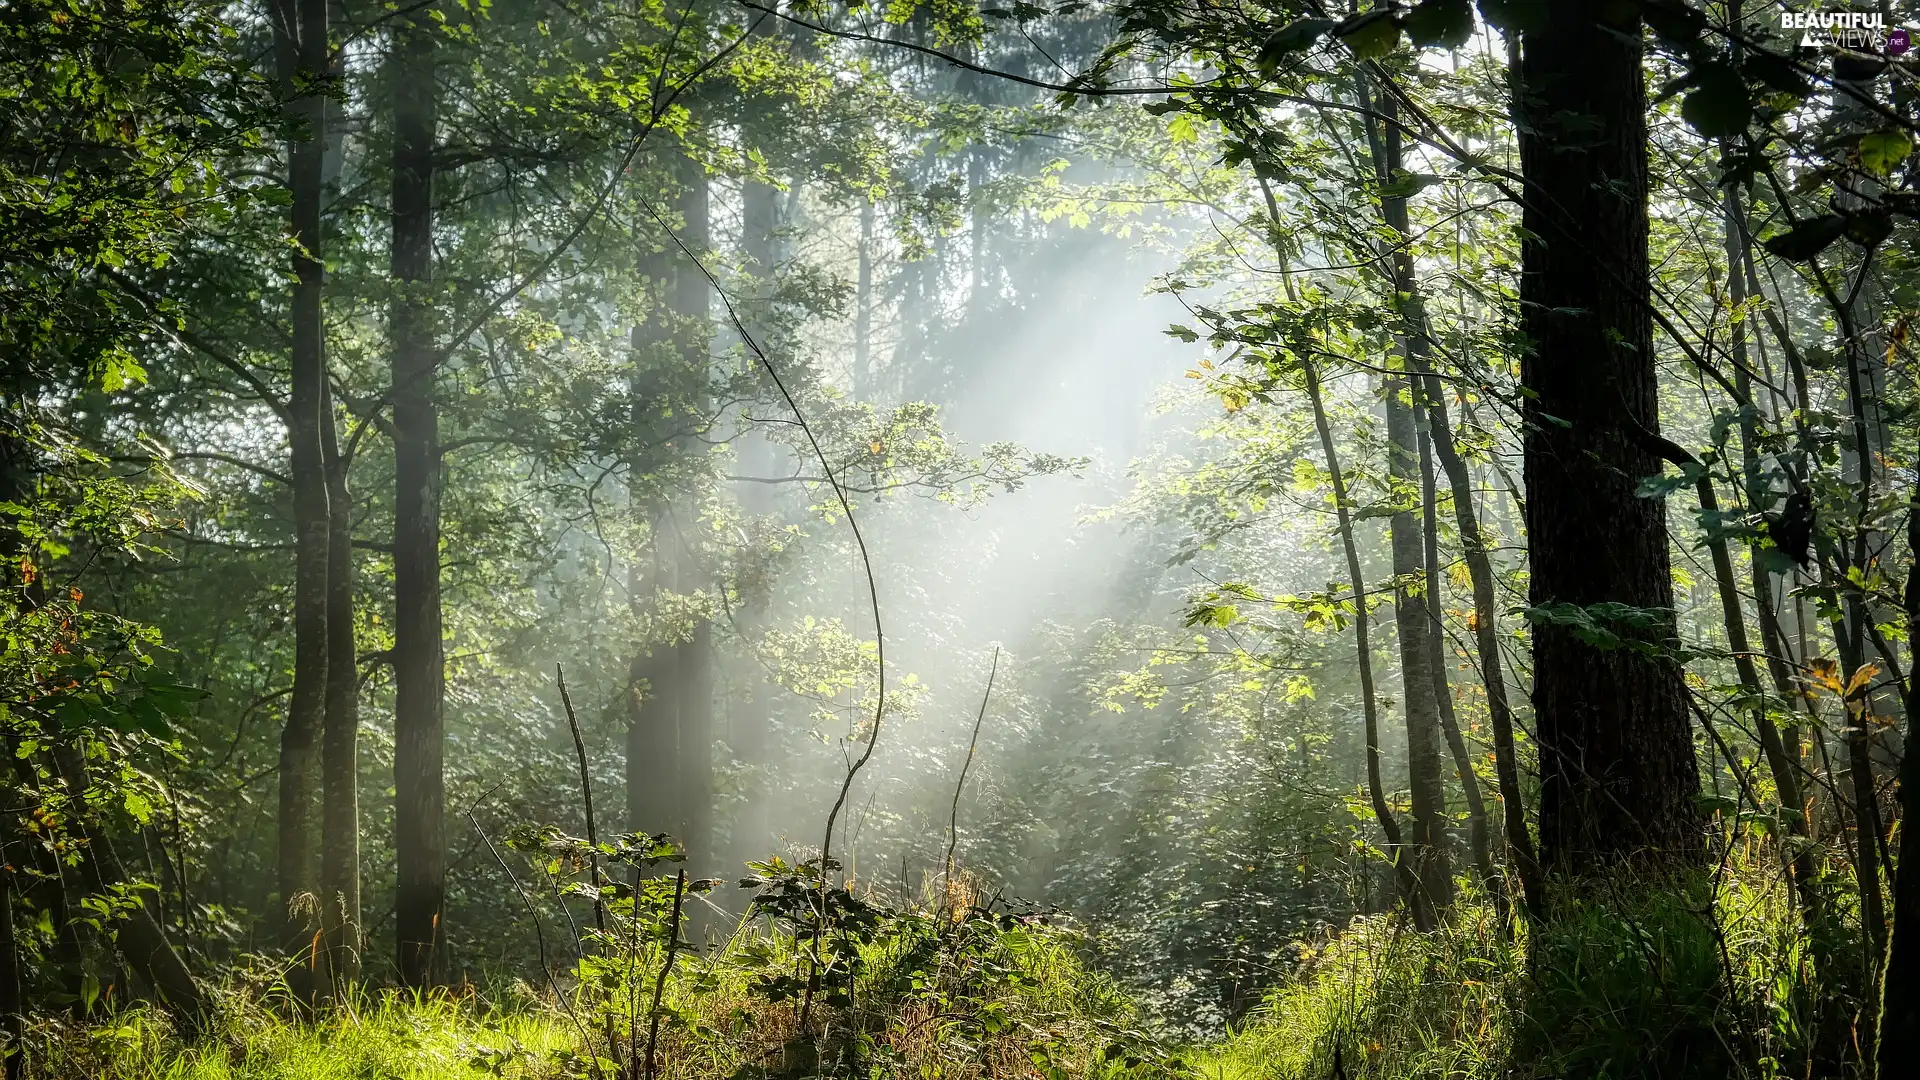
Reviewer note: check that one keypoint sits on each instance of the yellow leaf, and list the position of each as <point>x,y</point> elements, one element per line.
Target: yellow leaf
<point>1861,678</point>
<point>1825,672</point>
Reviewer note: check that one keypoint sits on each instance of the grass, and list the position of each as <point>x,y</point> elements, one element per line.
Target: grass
<point>1710,977</point>
<point>1703,978</point>
<point>931,998</point>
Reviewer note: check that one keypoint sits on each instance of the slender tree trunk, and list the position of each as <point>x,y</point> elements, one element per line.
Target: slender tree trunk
<point>418,656</point>
<point>301,32</point>
<point>1363,648</point>
<point>13,1006</point>
<point>1487,648</point>
<point>1781,753</point>
<point>692,307</point>
<point>1617,765</point>
<point>1415,543</point>
<point>1414,625</point>
<point>863,308</point>
<point>1479,840</point>
<point>340,765</point>
<point>1899,1035</point>
<point>750,729</point>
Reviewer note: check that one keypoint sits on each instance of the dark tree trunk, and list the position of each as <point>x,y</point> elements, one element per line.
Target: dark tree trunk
<point>1479,840</point>
<point>1414,629</point>
<point>1473,544</point>
<point>863,307</point>
<point>750,727</point>
<point>1618,773</point>
<point>301,29</point>
<point>1899,1036</point>
<point>653,742</point>
<point>693,697</point>
<point>339,766</point>
<point>13,1006</point>
<point>1363,647</point>
<point>418,662</point>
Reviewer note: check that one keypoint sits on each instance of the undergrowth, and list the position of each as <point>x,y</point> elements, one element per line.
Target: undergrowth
<point>951,992</point>
<point>1708,977</point>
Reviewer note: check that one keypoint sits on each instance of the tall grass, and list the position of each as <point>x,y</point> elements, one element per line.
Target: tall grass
<point>937,997</point>
<point>1701,978</point>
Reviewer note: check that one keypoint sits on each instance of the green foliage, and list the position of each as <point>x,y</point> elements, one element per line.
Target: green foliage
<point>966,992</point>
<point>1708,978</point>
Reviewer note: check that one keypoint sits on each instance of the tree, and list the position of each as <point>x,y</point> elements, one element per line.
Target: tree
<point>303,61</point>
<point>1617,765</point>
<point>419,666</point>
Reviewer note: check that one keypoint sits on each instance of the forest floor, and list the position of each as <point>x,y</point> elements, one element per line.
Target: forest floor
<point>1648,988</point>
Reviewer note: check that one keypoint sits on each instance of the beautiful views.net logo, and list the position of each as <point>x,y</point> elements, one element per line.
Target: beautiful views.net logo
<point>1860,31</point>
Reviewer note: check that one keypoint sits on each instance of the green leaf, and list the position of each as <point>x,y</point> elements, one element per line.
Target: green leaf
<point>1446,24</point>
<point>1371,35</point>
<point>1297,36</point>
<point>1719,106</point>
<point>1807,239</point>
<point>1405,184</point>
<point>1880,151</point>
<point>1515,16</point>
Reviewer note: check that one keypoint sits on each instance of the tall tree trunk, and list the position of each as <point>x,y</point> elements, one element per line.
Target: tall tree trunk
<point>419,672</point>
<point>13,1006</point>
<point>653,742</point>
<point>1486,638</point>
<point>1617,766</point>
<point>304,59</point>
<point>1782,749</point>
<point>863,308</point>
<point>1384,143</point>
<point>340,764</point>
<point>692,308</point>
<point>1414,626</point>
<point>1479,839</point>
<point>1363,648</point>
<point>1899,1035</point>
<point>750,729</point>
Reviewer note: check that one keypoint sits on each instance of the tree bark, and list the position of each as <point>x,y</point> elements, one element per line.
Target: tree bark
<point>863,307</point>
<point>13,1006</point>
<point>340,765</point>
<point>750,729</point>
<point>1414,630</point>
<point>693,697</point>
<point>1363,648</point>
<point>1479,837</point>
<point>303,60</point>
<point>1617,765</point>
<point>1899,1034</point>
<point>418,657</point>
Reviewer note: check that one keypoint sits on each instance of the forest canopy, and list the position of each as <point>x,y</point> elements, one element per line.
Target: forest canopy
<point>1137,538</point>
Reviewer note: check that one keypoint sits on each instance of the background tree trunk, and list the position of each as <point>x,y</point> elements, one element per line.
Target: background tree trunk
<point>418,660</point>
<point>1617,764</point>
<point>692,310</point>
<point>340,764</point>
<point>1414,628</point>
<point>302,49</point>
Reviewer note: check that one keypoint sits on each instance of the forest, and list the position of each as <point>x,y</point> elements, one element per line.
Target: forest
<point>1074,540</point>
